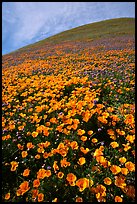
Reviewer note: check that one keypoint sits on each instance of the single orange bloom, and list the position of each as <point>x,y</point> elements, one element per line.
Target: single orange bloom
<point>7,196</point>
<point>34,134</point>
<point>35,193</point>
<point>118,199</point>
<point>36,183</point>
<point>41,174</point>
<point>53,120</point>
<point>64,162</point>
<point>107,181</point>
<point>129,119</point>
<point>124,171</point>
<point>26,172</point>
<point>24,187</point>
<point>94,140</point>
<point>79,199</point>
<point>115,169</point>
<point>85,151</point>
<point>114,144</point>
<point>37,156</point>
<point>60,175</point>
<point>83,138</point>
<point>48,173</point>
<point>126,147</point>
<point>55,166</point>
<point>74,145</point>
<point>14,165</point>
<point>90,132</point>
<point>120,181</point>
<point>40,197</point>
<point>82,183</point>
<point>81,161</point>
<point>71,177</point>
<point>130,138</point>
<point>30,145</point>
<point>130,166</point>
<point>81,132</point>
<point>46,132</point>
<point>24,154</point>
<point>20,146</point>
<point>122,160</point>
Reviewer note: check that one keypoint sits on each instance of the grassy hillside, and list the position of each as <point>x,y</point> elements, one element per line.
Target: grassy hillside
<point>93,31</point>
<point>68,117</point>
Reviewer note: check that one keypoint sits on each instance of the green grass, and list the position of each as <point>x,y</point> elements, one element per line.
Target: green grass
<point>93,31</point>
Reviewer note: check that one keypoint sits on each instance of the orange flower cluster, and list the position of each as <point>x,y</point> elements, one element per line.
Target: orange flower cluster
<point>68,123</point>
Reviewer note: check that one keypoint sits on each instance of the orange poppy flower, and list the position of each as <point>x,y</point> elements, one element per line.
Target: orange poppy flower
<point>34,134</point>
<point>26,172</point>
<point>40,197</point>
<point>60,175</point>
<point>115,169</point>
<point>74,145</point>
<point>81,161</point>
<point>14,165</point>
<point>114,144</point>
<point>79,199</point>
<point>7,196</point>
<point>90,132</point>
<point>107,181</point>
<point>85,151</point>
<point>122,160</point>
<point>36,183</point>
<point>94,140</point>
<point>120,181</point>
<point>24,154</point>
<point>24,187</point>
<point>124,171</point>
<point>35,193</point>
<point>55,166</point>
<point>82,183</point>
<point>64,162</point>
<point>81,132</point>
<point>83,138</point>
<point>71,177</point>
<point>30,145</point>
<point>130,166</point>
<point>118,199</point>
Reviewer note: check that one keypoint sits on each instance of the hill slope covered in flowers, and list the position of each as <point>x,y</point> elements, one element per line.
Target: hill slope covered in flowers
<point>68,108</point>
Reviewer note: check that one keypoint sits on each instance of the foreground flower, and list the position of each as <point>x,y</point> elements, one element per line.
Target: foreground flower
<point>122,160</point>
<point>82,183</point>
<point>36,183</point>
<point>81,161</point>
<point>115,169</point>
<point>114,144</point>
<point>107,181</point>
<point>14,165</point>
<point>26,172</point>
<point>23,188</point>
<point>60,175</point>
<point>130,166</point>
<point>79,199</point>
<point>71,178</point>
<point>35,193</point>
<point>118,199</point>
<point>7,196</point>
<point>40,197</point>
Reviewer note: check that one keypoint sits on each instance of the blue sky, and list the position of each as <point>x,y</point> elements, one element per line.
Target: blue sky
<point>24,23</point>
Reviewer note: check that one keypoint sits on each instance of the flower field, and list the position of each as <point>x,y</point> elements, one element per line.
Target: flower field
<point>68,123</point>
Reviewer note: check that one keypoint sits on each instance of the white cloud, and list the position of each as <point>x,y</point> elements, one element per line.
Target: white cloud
<point>24,22</point>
